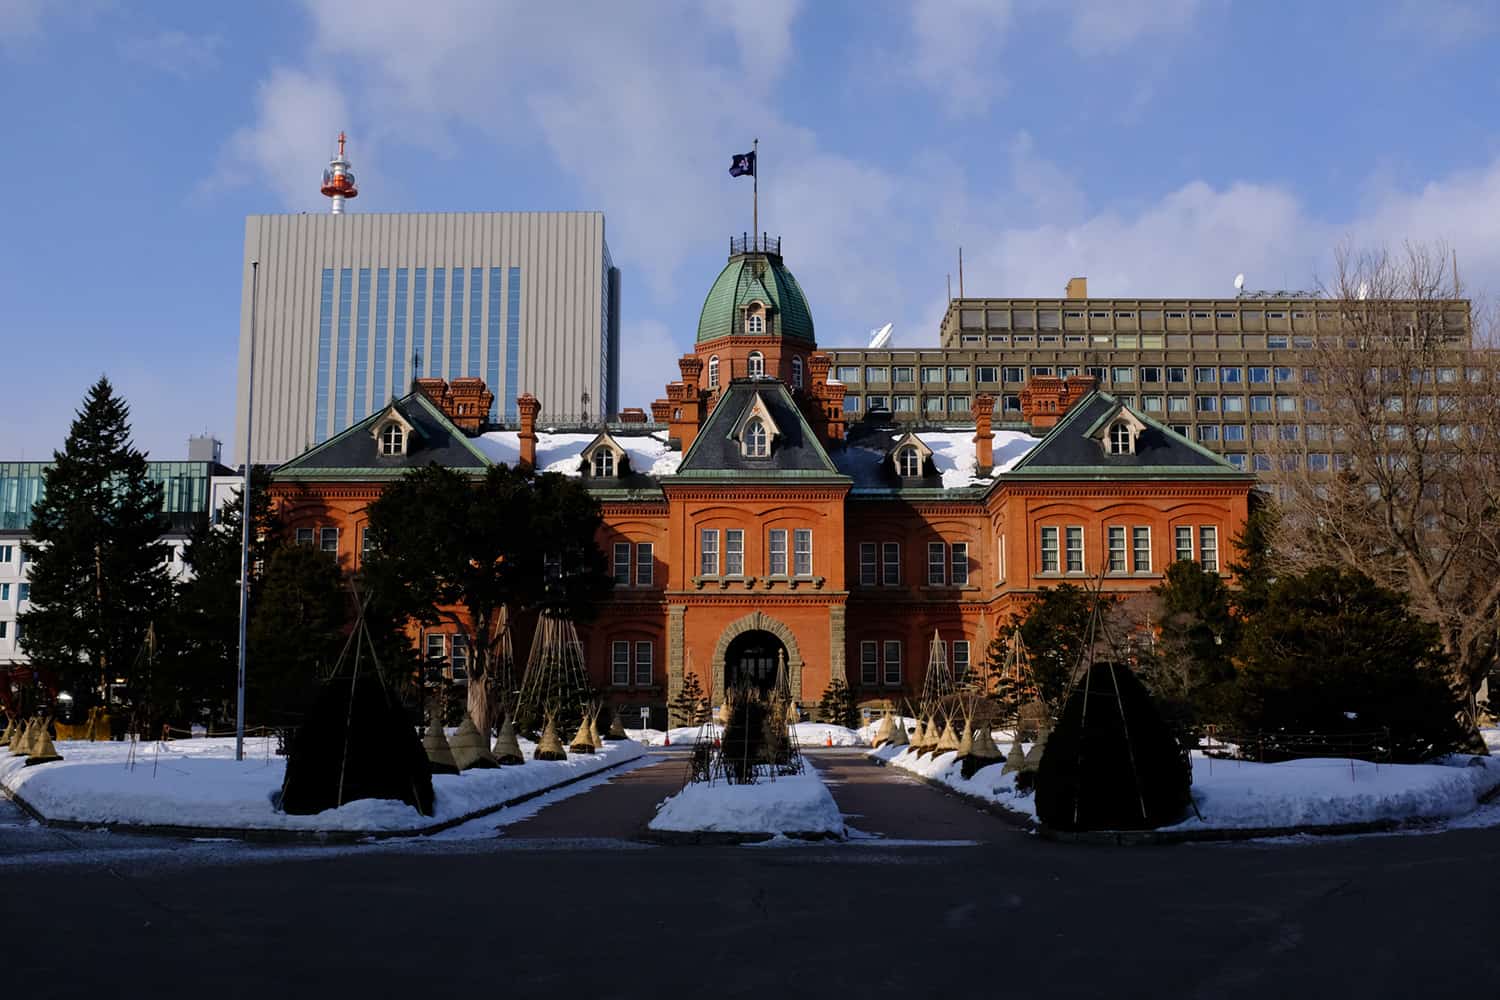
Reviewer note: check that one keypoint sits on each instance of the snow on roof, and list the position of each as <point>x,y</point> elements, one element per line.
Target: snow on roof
<point>559,452</point>
<point>953,452</point>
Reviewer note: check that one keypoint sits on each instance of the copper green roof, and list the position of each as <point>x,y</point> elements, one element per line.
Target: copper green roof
<point>746,278</point>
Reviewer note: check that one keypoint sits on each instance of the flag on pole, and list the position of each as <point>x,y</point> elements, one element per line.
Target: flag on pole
<point>742,164</point>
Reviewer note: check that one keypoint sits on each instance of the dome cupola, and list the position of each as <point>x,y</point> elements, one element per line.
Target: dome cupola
<point>755,296</point>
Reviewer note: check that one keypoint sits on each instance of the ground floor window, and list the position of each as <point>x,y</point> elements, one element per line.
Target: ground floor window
<point>893,661</point>
<point>623,670</point>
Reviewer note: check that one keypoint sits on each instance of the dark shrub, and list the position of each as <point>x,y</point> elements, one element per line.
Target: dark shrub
<point>355,742</point>
<point>1092,777</point>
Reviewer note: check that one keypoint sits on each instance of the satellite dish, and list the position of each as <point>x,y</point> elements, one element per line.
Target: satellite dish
<point>1239,282</point>
<point>1364,291</point>
<point>879,338</point>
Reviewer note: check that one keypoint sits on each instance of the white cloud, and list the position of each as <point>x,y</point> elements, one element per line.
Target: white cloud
<point>176,52</point>
<point>296,116</point>
<point>1111,25</point>
<point>763,31</point>
<point>955,48</point>
<point>1447,22</point>
<point>20,18</point>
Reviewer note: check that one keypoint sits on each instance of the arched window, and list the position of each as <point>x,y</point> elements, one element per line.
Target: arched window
<point>713,372</point>
<point>757,364</point>
<point>909,462</point>
<point>1119,439</point>
<point>755,323</point>
<point>796,372</point>
<point>757,444</point>
<point>393,440</point>
<point>604,462</point>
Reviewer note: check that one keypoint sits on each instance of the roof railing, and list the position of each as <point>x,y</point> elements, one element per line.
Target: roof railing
<point>750,243</point>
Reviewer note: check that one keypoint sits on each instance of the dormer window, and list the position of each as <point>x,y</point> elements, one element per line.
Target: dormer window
<point>1117,432</point>
<point>603,458</point>
<point>909,462</point>
<point>755,323</point>
<point>604,462</point>
<point>1120,439</point>
<point>393,439</point>
<point>757,441</point>
<point>757,363</point>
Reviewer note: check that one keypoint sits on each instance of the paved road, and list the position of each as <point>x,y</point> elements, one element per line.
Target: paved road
<point>1407,916</point>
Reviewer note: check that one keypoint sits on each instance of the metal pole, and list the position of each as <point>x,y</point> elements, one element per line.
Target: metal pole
<point>246,516</point>
<point>755,192</point>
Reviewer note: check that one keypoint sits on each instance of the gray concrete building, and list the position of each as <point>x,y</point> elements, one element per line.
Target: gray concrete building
<point>1223,372</point>
<point>351,307</point>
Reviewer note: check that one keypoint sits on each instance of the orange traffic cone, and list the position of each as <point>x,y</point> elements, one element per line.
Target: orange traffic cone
<point>666,738</point>
<point>828,739</point>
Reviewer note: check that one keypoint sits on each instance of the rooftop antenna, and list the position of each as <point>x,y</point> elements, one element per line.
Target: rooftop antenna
<point>1239,284</point>
<point>960,272</point>
<point>338,180</point>
<point>950,288</point>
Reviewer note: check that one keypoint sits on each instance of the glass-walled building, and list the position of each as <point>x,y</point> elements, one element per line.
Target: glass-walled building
<point>352,307</point>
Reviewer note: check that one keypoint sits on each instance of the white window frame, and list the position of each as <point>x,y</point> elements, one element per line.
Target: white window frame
<point>323,534</point>
<point>960,663</point>
<point>796,372</point>
<point>304,536</point>
<point>1140,548</point>
<point>937,564</point>
<point>757,439</point>
<point>392,439</point>
<point>869,564</point>
<point>1208,547</point>
<point>1117,548</point>
<point>621,561</point>
<point>645,656</point>
<point>890,664</point>
<point>802,552</point>
<point>708,552</point>
<point>1182,543</point>
<point>619,663</point>
<point>776,550</point>
<point>603,463</point>
<point>1000,559</point>
<point>958,575</point>
<point>755,364</point>
<point>755,323</point>
<point>458,663</point>
<point>713,372</point>
<point>909,462</point>
<point>1051,554</point>
<point>734,552</point>
<point>1074,534</point>
<point>645,564</point>
<point>869,663</point>
<point>890,564</point>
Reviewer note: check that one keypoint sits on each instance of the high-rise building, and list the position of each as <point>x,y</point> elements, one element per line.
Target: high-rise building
<point>351,307</point>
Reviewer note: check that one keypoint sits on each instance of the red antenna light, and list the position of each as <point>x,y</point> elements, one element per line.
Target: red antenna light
<point>338,180</point>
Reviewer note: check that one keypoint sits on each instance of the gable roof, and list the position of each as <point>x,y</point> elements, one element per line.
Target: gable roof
<point>796,453</point>
<point>354,453</point>
<point>1071,450</point>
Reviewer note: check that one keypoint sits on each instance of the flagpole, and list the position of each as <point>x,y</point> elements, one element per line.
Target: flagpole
<point>247,509</point>
<point>755,192</point>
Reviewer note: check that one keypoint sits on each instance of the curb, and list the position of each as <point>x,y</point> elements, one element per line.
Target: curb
<point>274,836</point>
<point>719,838</point>
<point>1016,818</point>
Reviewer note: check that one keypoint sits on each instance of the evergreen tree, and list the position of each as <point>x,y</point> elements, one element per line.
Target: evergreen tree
<point>198,673</point>
<point>689,708</point>
<point>1056,628</point>
<point>1337,655</point>
<point>1253,574</point>
<point>296,633</point>
<point>98,575</point>
<point>837,706</point>
<point>1191,671</point>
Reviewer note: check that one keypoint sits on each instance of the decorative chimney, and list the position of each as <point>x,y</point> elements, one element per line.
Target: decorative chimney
<point>1078,288</point>
<point>661,411</point>
<point>466,401</point>
<point>1045,398</point>
<point>686,417</point>
<point>984,437</point>
<point>824,403</point>
<point>529,407</point>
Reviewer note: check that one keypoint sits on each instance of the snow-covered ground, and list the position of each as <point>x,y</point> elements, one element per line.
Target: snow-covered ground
<point>790,804</point>
<point>1243,795</point>
<point>198,783</point>
<point>809,735</point>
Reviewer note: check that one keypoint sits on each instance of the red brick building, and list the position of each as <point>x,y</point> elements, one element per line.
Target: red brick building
<point>749,522</point>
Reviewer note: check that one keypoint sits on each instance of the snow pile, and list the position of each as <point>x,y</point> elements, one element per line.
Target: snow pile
<point>198,783</point>
<point>559,452</point>
<point>809,735</point>
<point>987,784</point>
<point>797,804</point>
<point>1242,795</point>
<point>1329,792</point>
<point>953,453</point>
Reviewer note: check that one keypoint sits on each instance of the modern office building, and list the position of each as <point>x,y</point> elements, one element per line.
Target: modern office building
<point>350,308</point>
<point>192,490</point>
<point>1220,371</point>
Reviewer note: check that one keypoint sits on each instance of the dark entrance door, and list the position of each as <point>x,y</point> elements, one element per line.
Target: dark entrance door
<point>750,661</point>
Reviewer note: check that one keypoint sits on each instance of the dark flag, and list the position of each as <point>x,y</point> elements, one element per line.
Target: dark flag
<point>742,164</point>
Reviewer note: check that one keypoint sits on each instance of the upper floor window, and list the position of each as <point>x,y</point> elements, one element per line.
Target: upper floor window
<point>713,372</point>
<point>757,364</point>
<point>802,552</point>
<point>328,539</point>
<point>1119,439</point>
<point>755,323</point>
<point>796,372</point>
<point>393,440</point>
<point>909,462</point>
<point>757,442</point>
<point>604,462</point>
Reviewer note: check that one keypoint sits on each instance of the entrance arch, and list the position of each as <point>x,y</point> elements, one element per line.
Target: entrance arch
<point>758,621</point>
<point>750,661</point>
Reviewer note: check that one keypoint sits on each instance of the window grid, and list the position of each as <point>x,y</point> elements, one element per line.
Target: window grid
<point>1183,540</point>
<point>777,550</point>
<point>802,553</point>
<point>622,564</point>
<point>890,558</point>
<point>868,564</point>
<point>960,571</point>
<point>645,564</point>
<point>644,657</point>
<point>869,662</point>
<point>892,664</point>
<point>937,568</point>
<point>619,673</point>
<point>1116,549</point>
<point>1075,548</point>
<point>708,549</point>
<point>1208,548</point>
<point>1049,550</point>
<point>734,552</point>
<point>1141,552</point>
<point>328,540</point>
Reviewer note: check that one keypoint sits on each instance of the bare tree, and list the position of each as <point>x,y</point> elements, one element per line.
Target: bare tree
<point>1394,467</point>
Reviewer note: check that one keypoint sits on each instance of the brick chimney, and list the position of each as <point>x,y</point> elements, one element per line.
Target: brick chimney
<point>984,437</point>
<point>1078,288</point>
<point>687,402</point>
<point>465,401</point>
<point>823,404</point>
<point>529,407</point>
<point>1045,398</point>
<point>661,411</point>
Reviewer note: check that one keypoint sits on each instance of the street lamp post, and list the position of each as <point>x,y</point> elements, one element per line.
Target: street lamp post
<point>246,512</point>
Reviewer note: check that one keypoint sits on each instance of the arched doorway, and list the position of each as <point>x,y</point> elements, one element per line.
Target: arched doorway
<point>751,659</point>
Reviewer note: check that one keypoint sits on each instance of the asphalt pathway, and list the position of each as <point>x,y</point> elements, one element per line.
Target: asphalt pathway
<point>884,802</point>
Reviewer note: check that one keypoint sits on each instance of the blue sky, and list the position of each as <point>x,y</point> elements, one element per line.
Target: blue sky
<point>1156,146</point>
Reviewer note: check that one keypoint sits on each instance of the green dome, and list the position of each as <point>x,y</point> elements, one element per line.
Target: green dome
<point>749,277</point>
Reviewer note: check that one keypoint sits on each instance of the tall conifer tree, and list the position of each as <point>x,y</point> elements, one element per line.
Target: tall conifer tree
<point>98,575</point>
